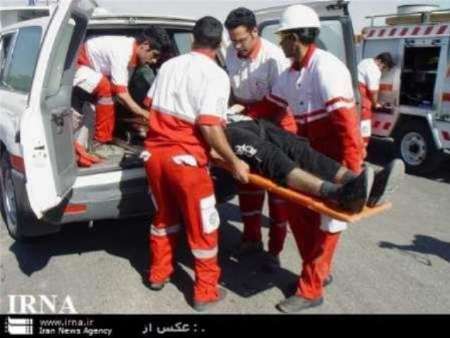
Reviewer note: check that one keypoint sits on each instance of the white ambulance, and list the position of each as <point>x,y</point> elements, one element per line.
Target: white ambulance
<point>416,92</point>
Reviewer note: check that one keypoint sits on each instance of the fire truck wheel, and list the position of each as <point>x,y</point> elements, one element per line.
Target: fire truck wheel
<point>415,146</point>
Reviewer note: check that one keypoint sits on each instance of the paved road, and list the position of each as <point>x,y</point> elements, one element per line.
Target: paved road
<point>395,263</point>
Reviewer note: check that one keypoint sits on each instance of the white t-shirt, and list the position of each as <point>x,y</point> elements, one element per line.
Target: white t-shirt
<point>323,85</point>
<point>369,74</point>
<point>253,77</point>
<point>189,90</point>
<point>111,56</point>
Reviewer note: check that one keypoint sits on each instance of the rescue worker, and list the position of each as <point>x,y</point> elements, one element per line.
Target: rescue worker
<point>369,75</point>
<point>104,67</point>
<point>318,90</point>
<point>253,64</point>
<point>188,101</point>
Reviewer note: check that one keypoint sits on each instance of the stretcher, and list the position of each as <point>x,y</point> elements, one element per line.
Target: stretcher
<point>314,203</point>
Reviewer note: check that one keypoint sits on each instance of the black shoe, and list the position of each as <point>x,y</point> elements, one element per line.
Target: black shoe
<point>296,304</point>
<point>155,286</point>
<point>353,195</point>
<point>205,306</point>
<point>386,182</point>
<point>271,264</point>
<point>327,281</point>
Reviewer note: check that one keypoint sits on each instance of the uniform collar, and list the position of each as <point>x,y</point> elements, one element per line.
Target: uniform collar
<point>205,51</point>
<point>134,61</point>
<point>297,66</point>
<point>254,52</point>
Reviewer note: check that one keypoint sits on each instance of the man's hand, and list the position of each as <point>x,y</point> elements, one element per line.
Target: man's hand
<point>126,100</point>
<point>236,109</point>
<point>240,171</point>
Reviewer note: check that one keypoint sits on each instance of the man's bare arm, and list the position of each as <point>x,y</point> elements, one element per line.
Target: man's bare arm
<point>126,100</point>
<point>217,140</point>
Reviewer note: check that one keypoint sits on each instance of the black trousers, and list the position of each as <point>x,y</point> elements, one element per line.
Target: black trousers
<point>274,152</point>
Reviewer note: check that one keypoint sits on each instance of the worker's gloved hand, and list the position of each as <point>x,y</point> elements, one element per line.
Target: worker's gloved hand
<point>84,159</point>
<point>240,171</point>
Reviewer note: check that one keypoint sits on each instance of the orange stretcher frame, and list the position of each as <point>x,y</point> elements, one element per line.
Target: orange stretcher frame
<point>314,203</point>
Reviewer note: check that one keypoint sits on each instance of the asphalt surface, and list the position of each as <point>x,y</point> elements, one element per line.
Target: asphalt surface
<point>398,262</point>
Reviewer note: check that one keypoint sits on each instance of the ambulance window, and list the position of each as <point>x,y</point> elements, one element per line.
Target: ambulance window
<point>19,74</point>
<point>5,50</point>
<point>183,40</point>
<point>331,37</point>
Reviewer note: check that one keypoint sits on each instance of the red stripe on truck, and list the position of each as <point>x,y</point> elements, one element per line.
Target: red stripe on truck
<point>404,31</point>
<point>73,209</point>
<point>415,30</point>
<point>17,163</point>
<point>446,135</point>
<point>428,30</point>
<point>385,87</point>
<point>442,29</point>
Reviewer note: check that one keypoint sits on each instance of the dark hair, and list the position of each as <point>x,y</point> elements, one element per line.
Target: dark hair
<point>386,59</point>
<point>240,17</point>
<point>208,32</point>
<point>306,36</point>
<point>156,37</point>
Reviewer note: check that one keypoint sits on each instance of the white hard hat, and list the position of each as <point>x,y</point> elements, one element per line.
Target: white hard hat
<point>298,16</point>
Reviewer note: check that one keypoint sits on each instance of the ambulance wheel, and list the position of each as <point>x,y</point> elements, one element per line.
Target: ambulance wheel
<point>19,220</point>
<point>415,146</point>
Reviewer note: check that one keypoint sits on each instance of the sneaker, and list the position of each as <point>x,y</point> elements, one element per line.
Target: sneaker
<point>155,286</point>
<point>353,195</point>
<point>327,281</point>
<point>296,304</point>
<point>106,150</point>
<point>271,263</point>
<point>207,305</point>
<point>249,247</point>
<point>386,182</point>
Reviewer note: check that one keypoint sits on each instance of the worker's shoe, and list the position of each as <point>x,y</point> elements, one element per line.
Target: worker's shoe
<point>205,306</point>
<point>386,182</point>
<point>327,281</point>
<point>353,195</point>
<point>296,304</point>
<point>156,286</point>
<point>107,150</point>
<point>271,263</point>
<point>249,247</point>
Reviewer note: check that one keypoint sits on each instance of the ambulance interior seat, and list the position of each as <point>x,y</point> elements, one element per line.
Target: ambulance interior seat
<point>418,76</point>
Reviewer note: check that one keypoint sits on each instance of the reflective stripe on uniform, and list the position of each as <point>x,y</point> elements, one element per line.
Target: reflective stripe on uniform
<point>205,253</point>
<point>251,213</point>
<point>281,225</point>
<point>106,100</point>
<point>161,232</point>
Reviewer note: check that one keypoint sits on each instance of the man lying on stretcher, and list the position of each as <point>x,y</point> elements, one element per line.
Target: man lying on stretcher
<point>290,161</point>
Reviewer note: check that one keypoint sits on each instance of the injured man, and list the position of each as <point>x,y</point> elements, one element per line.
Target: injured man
<point>290,161</point>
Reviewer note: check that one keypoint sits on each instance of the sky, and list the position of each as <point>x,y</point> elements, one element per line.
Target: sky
<point>359,9</point>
